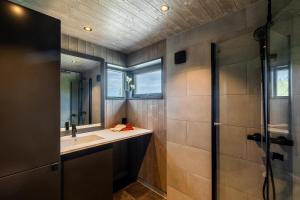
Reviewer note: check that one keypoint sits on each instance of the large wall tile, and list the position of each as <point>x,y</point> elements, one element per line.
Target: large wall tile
<point>198,55</point>
<point>177,108</point>
<point>279,111</point>
<point>176,131</point>
<point>295,76</point>
<point>174,194</point>
<point>233,141</point>
<point>237,50</point>
<point>199,188</point>
<point>177,177</point>
<point>199,81</point>
<point>233,79</point>
<point>176,155</point>
<point>254,77</point>
<point>197,161</point>
<point>254,197</point>
<point>242,175</point>
<point>190,159</point>
<point>296,123</point>
<point>241,110</point>
<point>255,153</point>
<point>296,187</point>
<point>198,108</point>
<point>295,53</point>
<point>255,120</point>
<point>199,135</point>
<point>236,110</point>
<point>177,84</point>
<point>229,193</point>
<point>296,31</point>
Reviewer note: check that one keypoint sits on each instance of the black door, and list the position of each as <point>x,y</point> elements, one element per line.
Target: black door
<point>29,89</point>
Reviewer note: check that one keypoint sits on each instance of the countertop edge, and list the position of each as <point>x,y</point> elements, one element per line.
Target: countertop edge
<point>106,142</point>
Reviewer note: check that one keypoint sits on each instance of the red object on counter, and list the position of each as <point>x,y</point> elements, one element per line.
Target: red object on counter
<point>128,127</point>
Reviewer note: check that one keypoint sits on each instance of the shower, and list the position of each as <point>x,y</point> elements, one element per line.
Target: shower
<point>254,129</point>
<point>262,36</point>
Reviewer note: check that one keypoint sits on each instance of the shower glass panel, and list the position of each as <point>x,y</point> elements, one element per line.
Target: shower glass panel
<point>240,143</point>
<point>284,101</point>
<point>240,162</point>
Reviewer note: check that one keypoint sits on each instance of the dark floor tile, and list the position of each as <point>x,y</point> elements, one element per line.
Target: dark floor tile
<point>123,195</point>
<point>136,191</point>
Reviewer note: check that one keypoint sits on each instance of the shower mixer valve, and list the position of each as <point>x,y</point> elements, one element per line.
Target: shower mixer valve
<point>281,140</point>
<point>277,156</point>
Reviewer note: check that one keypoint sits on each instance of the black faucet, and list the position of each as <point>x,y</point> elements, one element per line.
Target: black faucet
<point>74,130</point>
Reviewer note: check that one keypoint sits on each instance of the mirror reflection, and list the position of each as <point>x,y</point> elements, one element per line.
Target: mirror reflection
<point>279,79</point>
<point>80,89</point>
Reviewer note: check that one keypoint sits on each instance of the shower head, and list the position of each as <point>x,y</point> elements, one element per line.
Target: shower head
<point>260,34</point>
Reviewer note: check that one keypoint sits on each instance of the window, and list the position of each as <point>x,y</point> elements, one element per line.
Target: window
<point>115,83</point>
<point>147,79</point>
<point>148,83</point>
<point>280,81</point>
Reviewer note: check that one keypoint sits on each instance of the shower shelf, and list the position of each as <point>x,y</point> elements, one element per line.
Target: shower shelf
<point>281,140</point>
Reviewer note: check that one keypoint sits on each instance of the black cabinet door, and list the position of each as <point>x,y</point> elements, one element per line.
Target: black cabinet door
<point>88,176</point>
<point>29,89</point>
<point>38,184</point>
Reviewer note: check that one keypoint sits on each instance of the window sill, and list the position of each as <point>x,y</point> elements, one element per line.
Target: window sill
<point>115,98</point>
<point>145,98</point>
<point>280,97</point>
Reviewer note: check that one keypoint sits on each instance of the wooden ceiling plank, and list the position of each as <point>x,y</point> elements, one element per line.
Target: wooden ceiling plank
<point>227,6</point>
<point>171,15</point>
<point>212,8</point>
<point>148,25</point>
<point>243,3</point>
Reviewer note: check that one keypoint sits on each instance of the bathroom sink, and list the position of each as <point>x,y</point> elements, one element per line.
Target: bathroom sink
<point>79,140</point>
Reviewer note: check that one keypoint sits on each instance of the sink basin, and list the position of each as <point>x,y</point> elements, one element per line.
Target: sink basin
<point>79,140</point>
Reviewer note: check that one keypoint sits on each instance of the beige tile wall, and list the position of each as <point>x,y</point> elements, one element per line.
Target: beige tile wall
<point>189,109</point>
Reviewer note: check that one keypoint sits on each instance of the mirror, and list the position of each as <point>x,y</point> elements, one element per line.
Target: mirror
<point>80,91</point>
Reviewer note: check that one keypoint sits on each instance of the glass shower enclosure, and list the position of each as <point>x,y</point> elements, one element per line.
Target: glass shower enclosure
<point>256,111</point>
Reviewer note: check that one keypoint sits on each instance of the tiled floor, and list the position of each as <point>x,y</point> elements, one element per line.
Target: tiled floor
<point>136,191</point>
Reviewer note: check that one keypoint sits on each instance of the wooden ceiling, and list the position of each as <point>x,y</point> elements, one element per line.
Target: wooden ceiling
<point>128,25</point>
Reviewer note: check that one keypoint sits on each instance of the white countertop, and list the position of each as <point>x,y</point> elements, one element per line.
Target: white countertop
<point>107,137</point>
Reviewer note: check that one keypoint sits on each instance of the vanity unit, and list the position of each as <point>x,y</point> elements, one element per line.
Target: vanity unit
<point>90,169</point>
<point>33,88</point>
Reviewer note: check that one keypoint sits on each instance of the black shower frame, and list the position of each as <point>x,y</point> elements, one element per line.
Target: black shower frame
<point>214,120</point>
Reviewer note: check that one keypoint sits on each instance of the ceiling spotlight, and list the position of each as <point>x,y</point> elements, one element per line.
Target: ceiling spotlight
<point>164,7</point>
<point>17,10</point>
<point>86,28</point>
<point>74,61</point>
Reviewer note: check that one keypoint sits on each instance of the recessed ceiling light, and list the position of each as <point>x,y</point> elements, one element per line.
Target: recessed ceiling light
<point>164,7</point>
<point>17,10</point>
<point>86,28</point>
<point>74,61</point>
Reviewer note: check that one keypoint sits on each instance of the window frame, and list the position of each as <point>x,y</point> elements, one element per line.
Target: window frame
<point>108,67</point>
<point>274,81</point>
<point>147,69</point>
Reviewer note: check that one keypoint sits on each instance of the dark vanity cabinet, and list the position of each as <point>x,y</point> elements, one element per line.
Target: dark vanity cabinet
<point>87,174</point>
